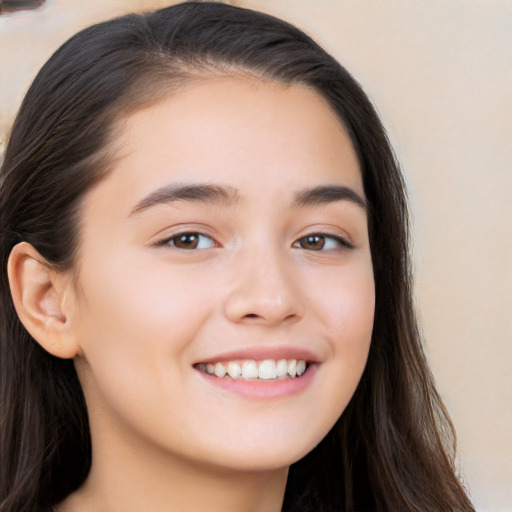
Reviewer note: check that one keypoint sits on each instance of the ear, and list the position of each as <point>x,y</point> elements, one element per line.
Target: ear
<point>41,297</point>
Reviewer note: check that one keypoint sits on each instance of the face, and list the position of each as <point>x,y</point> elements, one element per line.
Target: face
<point>225,295</point>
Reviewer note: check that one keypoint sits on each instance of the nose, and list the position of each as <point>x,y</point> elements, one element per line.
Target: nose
<point>263,292</point>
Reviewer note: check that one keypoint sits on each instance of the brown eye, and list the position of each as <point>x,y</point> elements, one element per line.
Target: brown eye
<point>186,241</point>
<point>190,241</point>
<point>312,242</point>
<point>322,242</point>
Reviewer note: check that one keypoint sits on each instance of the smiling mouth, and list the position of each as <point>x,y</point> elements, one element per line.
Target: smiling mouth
<point>253,370</point>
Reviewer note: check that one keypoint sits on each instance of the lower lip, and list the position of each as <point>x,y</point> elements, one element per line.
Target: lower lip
<point>266,389</point>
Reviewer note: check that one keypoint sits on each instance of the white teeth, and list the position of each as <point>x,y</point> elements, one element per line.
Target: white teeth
<point>234,370</point>
<point>292,367</point>
<point>268,369</point>
<point>220,370</point>
<point>250,370</point>
<point>282,368</point>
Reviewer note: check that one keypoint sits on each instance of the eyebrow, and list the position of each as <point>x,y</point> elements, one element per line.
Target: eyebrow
<point>226,196</point>
<point>328,194</point>
<point>216,194</point>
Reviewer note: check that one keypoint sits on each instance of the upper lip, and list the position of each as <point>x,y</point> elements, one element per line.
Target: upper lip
<point>266,352</point>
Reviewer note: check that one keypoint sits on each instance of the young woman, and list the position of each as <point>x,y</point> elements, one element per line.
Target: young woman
<point>206,298</point>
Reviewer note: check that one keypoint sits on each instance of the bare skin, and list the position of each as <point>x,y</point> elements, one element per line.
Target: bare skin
<point>231,230</point>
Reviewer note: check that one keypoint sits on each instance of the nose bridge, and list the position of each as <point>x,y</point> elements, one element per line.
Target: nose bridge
<point>263,289</point>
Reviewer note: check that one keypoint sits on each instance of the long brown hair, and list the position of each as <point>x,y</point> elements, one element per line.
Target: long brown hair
<point>393,447</point>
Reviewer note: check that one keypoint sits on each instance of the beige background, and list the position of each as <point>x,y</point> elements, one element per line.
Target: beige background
<point>440,73</point>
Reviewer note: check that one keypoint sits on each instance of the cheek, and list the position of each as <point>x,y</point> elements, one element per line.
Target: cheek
<point>138,316</point>
<point>346,304</point>
<point>352,315</point>
<point>136,328</point>
<point>346,312</point>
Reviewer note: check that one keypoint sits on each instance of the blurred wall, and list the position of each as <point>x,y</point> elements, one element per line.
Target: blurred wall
<point>440,74</point>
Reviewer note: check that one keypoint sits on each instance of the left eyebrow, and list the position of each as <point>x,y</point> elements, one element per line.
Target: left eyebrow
<point>328,194</point>
<point>203,192</point>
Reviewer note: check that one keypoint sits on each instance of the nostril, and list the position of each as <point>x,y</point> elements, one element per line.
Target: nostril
<point>257,305</point>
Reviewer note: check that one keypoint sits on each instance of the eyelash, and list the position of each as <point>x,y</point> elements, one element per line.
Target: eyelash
<point>171,241</point>
<point>341,242</point>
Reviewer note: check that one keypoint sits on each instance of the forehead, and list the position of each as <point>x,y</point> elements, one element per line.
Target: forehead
<point>264,138</point>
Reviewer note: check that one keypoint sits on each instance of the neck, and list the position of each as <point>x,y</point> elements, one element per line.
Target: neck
<point>132,478</point>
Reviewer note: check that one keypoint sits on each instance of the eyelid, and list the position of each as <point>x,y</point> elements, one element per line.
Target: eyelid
<point>342,241</point>
<point>165,241</point>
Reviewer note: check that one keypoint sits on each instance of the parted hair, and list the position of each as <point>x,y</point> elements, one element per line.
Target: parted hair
<point>393,447</point>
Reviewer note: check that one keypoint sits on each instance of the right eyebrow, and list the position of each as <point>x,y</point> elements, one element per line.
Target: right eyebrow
<point>202,192</point>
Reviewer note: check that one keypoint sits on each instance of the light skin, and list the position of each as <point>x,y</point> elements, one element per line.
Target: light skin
<point>265,182</point>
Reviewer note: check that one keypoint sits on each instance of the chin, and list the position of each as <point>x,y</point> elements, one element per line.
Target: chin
<point>272,456</point>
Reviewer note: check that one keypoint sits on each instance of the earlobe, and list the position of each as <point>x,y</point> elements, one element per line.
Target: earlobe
<point>38,291</point>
